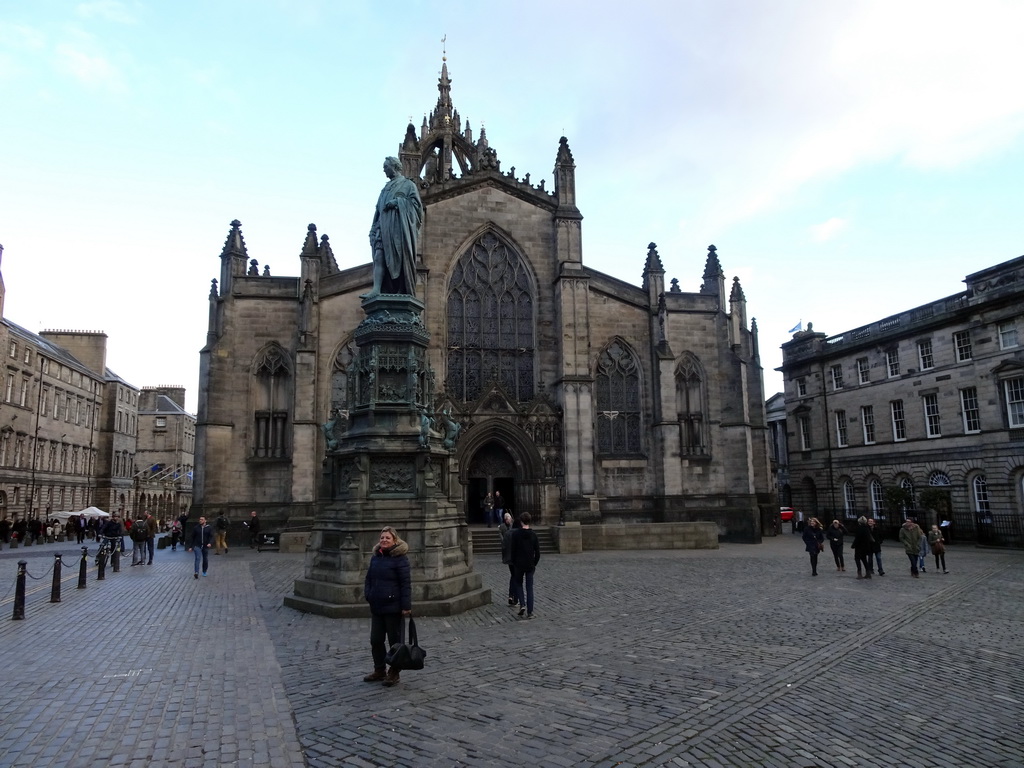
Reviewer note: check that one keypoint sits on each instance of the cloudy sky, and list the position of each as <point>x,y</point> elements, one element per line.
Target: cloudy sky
<point>848,159</point>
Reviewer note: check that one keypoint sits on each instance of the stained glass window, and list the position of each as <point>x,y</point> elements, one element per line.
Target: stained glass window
<point>490,322</point>
<point>617,390</point>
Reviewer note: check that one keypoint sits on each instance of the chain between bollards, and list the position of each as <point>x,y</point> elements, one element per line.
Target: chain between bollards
<point>83,567</point>
<point>55,589</point>
<point>19,592</point>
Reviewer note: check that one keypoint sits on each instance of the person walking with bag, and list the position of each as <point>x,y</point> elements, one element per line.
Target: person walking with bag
<point>388,590</point>
<point>938,546</point>
<point>814,542</point>
<point>524,551</point>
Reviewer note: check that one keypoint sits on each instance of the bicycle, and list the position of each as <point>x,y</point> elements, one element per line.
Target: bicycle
<point>108,546</point>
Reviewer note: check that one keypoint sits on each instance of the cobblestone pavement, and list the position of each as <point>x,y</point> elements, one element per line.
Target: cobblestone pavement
<point>734,657</point>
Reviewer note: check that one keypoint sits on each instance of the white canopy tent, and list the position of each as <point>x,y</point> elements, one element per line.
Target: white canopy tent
<point>88,512</point>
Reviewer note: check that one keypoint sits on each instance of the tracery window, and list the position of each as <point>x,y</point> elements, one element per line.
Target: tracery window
<point>272,400</point>
<point>617,392</point>
<point>690,406</point>
<point>490,322</point>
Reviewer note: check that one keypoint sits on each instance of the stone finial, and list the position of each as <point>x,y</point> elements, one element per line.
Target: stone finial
<point>714,277</point>
<point>254,268</point>
<point>266,270</point>
<point>234,245</point>
<point>737,291</point>
<point>309,249</point>
<point>564,156</point>
<point>327,254</point>
<point>653,263</point>
<point>675,286</point>
<point>213,288</point>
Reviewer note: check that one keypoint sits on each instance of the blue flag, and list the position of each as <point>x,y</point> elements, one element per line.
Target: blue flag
<point>798,327</point>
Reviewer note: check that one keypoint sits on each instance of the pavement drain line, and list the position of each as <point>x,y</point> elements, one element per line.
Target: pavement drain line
<point>822,660</point>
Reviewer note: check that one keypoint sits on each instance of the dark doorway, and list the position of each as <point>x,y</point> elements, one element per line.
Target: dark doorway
<point>491,469</point>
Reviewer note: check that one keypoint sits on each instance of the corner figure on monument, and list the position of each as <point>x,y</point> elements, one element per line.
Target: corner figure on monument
<point>395,234</point>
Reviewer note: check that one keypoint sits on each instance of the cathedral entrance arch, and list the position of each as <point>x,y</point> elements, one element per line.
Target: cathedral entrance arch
<point>498,457</point>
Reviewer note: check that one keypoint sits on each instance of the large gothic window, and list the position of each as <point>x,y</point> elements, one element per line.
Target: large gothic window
<point>490,322</point>
<point>617,389</point>
<point>272,401</point>
<point>690,407</point>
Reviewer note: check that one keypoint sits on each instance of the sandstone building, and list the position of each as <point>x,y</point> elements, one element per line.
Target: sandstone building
<point>68,425</point>
<point>165,452</point>
<point>929,402</point>
<point>581,397</point>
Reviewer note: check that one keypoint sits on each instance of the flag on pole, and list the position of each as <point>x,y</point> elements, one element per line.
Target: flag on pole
<point>798,327</point>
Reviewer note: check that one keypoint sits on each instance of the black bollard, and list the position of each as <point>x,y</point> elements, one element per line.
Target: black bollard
<point>115,558</point>
<point>55,589</point>
<point>101,565</point>
<point>19,592</point>
<point>83,567</point>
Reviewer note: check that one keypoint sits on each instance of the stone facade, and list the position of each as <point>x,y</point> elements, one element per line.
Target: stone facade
<point>580,397</point>
<point>920,413</point>
<point>165,452</point>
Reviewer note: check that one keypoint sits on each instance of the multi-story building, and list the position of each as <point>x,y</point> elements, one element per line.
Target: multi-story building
<point>69,427</point>
<point>165,452</point>
<point>920,413</point>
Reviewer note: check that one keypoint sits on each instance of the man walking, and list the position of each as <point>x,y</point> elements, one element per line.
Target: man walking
<point>151,530</point>
<point>254,529</point>
<point>221,534</point>
<point>877,536</point>
<point>200,541</point>
<point>138,536</point>
<point>910,538</point>
<point>525,554</point>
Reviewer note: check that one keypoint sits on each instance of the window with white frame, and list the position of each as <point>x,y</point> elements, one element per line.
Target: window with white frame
<point>867,418</point>
<point>924,354</point>
<point>23,394</point>
<point>899,421</point>
<point>877,499</point>
<point>938,479</point>
<point>892,362</point>
<point>841,429</point>
<point>837,377</point>
<point>10,388</point>
<point>1008,334</point>
<point>849,499</point>
<point>863,370</point>
<point>28,356</point>
<point>14,349</point>
<point>1014,391</point>
<point>970,410</point>
<point>805,433</point>
<point>801,387</point>
<point>933,426</point>
<point>981,503</point>
<point>962,342</point>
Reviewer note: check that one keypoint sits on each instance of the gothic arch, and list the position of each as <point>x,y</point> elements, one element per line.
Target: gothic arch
<point>271,387</point>
<point>692,405</point>
<point>523,451</point>
<point>618,399</point>
<point>490,319</point>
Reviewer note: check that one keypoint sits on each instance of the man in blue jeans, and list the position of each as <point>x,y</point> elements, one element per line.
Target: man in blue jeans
<point>200,541</point>
<point>524,552</point>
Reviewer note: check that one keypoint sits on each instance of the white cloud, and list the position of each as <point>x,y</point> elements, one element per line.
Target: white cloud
<point>111,10</point>
<point>827,230</point>
<point>91,69</point>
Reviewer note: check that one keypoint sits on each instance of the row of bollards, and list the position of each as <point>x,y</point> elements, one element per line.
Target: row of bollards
<point>83,568</point>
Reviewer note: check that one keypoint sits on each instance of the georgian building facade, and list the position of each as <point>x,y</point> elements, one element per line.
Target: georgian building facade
<point>580,397</point>
<point>921,413</point>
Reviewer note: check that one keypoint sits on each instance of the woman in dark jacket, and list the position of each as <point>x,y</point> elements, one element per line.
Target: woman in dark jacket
<point>388,590</point>
<point>863,547</point>
<point>814,542</point>
<point>834,533</point>
<point>505,529</point>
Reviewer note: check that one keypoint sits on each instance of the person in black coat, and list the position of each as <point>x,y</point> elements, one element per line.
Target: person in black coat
<point>524,551</point>
<point>863,547</point>
<point>505,530</point>
<point>199,541</point>
<point>388,590</point>
<point>835,533</point>
<point>814,542</point>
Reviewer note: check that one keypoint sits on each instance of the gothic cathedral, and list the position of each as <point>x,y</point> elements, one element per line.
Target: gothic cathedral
<point>577,396</point>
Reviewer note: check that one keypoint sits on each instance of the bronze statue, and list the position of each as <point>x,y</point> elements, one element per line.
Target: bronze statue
<point>395,234</point>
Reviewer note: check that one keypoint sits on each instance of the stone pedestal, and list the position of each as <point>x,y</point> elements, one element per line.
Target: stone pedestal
<point>392,466</point>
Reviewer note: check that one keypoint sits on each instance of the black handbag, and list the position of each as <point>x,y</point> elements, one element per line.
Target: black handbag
<point>406,655</point>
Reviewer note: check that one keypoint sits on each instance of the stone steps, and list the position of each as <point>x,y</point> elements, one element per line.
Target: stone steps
<point>487,541</point>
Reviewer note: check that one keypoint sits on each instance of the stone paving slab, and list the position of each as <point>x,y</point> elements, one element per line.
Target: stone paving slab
<point>734,657</point>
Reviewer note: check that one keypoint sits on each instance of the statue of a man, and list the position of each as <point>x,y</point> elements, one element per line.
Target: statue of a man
<point>395,233</point>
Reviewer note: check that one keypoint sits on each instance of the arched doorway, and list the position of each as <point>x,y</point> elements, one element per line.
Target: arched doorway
<point>492,469</point>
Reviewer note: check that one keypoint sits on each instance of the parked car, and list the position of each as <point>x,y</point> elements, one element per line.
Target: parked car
<point>786,513</point>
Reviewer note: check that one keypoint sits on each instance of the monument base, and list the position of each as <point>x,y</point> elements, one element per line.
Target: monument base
<point>447,597</point>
